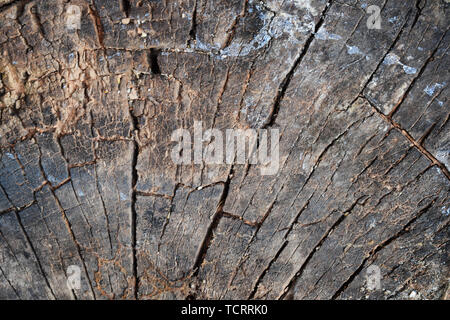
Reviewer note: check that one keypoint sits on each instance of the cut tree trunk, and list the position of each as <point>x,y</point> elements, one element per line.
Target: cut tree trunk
<point>91,91</point>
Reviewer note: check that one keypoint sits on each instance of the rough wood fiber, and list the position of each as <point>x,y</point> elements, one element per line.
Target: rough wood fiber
<point>86,177</point>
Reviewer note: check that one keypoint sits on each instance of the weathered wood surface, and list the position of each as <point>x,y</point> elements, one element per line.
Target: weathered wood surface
<point>86,177</point>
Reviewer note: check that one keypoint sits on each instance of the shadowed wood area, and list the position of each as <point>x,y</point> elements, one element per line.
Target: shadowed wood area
<point>92,90</point>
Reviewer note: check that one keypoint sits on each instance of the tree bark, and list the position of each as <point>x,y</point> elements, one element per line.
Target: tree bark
<point>88,106</point>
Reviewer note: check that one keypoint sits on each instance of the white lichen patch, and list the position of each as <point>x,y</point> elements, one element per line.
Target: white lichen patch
<point>274,26</point>
<point>430,89</point>
<point>323,34</point>
<point>354,50</point>
<point>393,19</point>
<point>10,155</point>
<point>444,157</point>
<point>291,25</point>
<point>392,58</point>
<point>237,48</point>
<point>123,196</point>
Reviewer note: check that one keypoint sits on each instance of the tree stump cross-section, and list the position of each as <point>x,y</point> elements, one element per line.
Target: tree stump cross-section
<point>92,205</point>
